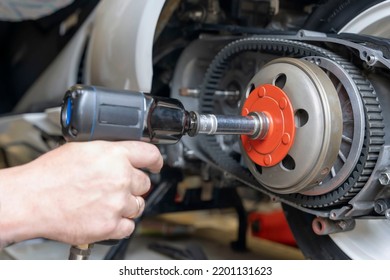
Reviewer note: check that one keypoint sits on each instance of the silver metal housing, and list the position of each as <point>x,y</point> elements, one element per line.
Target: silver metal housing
<point>318,121</point>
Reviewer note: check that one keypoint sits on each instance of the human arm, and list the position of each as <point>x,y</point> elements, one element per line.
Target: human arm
<point>78,193</point>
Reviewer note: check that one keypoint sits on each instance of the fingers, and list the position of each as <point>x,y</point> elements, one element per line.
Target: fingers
<point>143,155</point>
<point>135,207</point>
<point>126,225</point>
<point>140,182</point>
<point>124,229</point>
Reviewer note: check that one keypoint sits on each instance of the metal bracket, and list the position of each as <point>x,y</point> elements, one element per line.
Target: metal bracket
<point>371,56</point>
<point>363,202</point>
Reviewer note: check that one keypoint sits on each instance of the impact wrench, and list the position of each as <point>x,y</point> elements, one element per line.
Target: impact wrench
<point>94,113</point>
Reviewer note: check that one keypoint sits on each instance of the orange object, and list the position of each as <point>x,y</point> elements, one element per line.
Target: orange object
<point>272,226</point>
<point>275,104</point>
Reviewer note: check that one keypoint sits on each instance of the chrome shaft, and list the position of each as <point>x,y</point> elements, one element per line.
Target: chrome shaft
<point>255,124</point>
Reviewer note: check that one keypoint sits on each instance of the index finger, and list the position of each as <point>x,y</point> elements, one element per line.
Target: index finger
<point>143,155</point>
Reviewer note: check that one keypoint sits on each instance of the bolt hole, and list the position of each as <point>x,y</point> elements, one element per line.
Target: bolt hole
<point>280,80</point>
<point>301,118</point>
<point>371,59</point>
<point>288,163</point>
<point>318,226</point>
<point>259,168</point>
<point>249,90</point>
<point>364,54</point>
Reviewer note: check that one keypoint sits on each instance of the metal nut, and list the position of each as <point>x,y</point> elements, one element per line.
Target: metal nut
<point>384,178</point>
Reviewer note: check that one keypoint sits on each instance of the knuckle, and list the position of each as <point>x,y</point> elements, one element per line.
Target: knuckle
<point>128,230</point>
<point>120,203</point>
<point>110,227</point>
<point>125,176</point>
<point>125,229</point>
<point>142,184</point>
<point>117,150</point>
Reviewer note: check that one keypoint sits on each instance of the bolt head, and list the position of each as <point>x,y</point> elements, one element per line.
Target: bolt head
<point>282,103</point>
<point>267,159</point>
<point>384,178</point>
<point>342,224</point>
<point>261,91</point>
<point>286,138</point>
<point>380,206</point>
<point>248,147</point>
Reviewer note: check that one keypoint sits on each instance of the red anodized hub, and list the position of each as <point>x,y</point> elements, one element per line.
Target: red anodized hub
<point>275,104</point>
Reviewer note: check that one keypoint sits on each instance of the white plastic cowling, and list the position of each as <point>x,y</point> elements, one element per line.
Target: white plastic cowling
<point>121,45</point>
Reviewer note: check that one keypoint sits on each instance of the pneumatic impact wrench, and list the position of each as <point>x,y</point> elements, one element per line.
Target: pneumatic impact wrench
<point>93,113</point>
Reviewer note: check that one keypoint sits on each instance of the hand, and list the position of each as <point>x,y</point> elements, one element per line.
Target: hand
<point>78,193</point>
